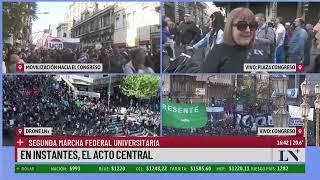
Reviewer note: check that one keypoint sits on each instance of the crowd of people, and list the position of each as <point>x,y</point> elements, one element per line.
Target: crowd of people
<point>42,101</point>
<point>226,127</point>
<point>225,44</point>
<point>129,61</point>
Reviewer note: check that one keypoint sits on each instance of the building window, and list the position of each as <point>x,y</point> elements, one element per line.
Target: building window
<point>105,20</point>
<point>91,25</point>
<point>133,18</point>
<point>117,25</point>
<point>97,24</point>
<point>108,19</point>
<point>101,22</point>
<point>111,16</point>
<point>129,23</point>
<point>124,21</point>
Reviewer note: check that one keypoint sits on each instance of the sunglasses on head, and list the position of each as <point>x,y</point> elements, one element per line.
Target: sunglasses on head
<point>242,25</point>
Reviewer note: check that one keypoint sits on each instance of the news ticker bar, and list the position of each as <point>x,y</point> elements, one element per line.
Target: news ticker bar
<point>160,168</point>
<point>160,142</point>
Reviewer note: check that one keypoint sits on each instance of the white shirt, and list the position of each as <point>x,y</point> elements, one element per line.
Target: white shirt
<point>280,29</point>
<point>4,69</point>
<point>128,68</point>
<point>219,37</point>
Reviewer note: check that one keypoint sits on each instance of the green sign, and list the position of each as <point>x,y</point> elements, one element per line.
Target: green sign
<point>184,116</point>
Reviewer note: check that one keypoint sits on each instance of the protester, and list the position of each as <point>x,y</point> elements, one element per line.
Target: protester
<point>117,61</point>
<point>228,54</point>
<point>316,29</point>
<point>214,36</point>
<point>139,60</point>
<point>238,45</point>
<point>188,31</point>
<point>287,39</point>
<point>167,38</point>
<point>4,70</point>
<point>265,36</point>
<point>104,59</point>
<point>280,35</point>
<point>297,43</point>
<point>309,44</point>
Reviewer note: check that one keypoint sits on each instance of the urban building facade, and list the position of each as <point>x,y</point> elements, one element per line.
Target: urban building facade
<point>288,10</point>
<point>118,24</point>
<point>137,24</point>
<point>183,88</point>
<point>62,30</point>
<point>92,85</point>
<point>78,11</point>
<point>95,29</point>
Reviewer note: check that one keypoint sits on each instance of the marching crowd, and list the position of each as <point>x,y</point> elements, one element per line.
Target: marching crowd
<point>41,101</point>
<point>114,60</point>
<point>225,44</point>
<point>226,127</point>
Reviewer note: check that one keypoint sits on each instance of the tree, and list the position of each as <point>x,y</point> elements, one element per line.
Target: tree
<point>141,86</point>
<point>15,15</point>
<point>255,91</point>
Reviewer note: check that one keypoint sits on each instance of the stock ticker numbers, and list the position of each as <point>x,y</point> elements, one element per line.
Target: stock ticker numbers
<point>162,168</point>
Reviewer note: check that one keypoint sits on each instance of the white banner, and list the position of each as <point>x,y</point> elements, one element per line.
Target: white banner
<point>55,43</point>
<point>70,40</point>
<point>294,121</point>
<point>76,155</point>
<point>200,91</point>
<point>296,113</point>
<point>89,94</point>
<point>292,93</point>
<point>215,109</point>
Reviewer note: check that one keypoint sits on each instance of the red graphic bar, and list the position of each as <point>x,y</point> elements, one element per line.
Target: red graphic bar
<point>160,142</point>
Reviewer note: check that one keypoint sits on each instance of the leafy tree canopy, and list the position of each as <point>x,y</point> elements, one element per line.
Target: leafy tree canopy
<point>141,87</point>
<point>14,14</point>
